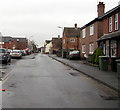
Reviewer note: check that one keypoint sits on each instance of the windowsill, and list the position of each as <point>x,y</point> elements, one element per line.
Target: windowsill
<point>116,29</point>
<point>83,37</point>
<point>91,35</point>
<point>90,52</point>
<point>113,56</point>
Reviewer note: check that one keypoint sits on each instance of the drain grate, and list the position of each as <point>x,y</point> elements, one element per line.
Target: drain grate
<point>75,74</point>
<point>109,97</point>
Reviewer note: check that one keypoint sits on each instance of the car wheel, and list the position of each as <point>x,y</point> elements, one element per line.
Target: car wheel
<point>9,60</point>
<point>5,62</point>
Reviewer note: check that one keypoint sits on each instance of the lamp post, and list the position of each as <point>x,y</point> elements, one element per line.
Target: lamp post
<point>62,37</point>
<point>30,46</point>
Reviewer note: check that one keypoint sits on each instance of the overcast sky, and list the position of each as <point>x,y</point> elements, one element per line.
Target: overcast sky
<point>40,18</point>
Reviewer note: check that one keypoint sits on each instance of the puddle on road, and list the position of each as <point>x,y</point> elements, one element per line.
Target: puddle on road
<point>13,85</point>
<point>9,93</point>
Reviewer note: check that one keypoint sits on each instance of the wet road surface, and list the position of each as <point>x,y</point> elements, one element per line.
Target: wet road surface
<point>42,82</point>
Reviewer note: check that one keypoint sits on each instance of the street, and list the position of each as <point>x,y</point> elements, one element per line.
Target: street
<point>41,82</point>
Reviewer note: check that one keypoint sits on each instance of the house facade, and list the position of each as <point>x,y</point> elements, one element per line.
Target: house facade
<point>47,46</point>
<point>110,41</point>
<point>91,32</point>
<point>56,44</point>
<point>70,39</point>
<point>13,43</point>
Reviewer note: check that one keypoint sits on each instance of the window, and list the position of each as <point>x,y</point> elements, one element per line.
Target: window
<point>72,40</point>
<point>113,48</point>
<point>63,41</point>
<point>116,21</point>
<point>2,43</point>
<point>83,48</point>
<point>107,48</point>
<point>104,47</point>
<point>110,24</point>
<point>91,48</point>
<point>92,29</point>
<point>83,33</point>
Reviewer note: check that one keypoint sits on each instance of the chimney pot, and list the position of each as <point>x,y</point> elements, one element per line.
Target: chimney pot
<point>59,36</point>
<point>75,25</point>
<point>100,8</point>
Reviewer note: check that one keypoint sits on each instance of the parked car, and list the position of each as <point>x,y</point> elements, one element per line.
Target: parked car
<point>23,52</point>
<point>16,54</point>
<point>4,56</point>
<point>9,50</point>
<point>75,54</point>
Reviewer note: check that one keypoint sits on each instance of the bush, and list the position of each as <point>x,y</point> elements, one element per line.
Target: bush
<point>95,57</point>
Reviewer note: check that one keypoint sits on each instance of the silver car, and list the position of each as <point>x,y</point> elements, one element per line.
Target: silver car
<point>16,54</point>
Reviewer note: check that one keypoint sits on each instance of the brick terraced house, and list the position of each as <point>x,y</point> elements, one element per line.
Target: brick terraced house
<point>70,39</point>
<point>110,41</point>
<point>56,44</point>
<point>13,43</point>
<point>90,32</point>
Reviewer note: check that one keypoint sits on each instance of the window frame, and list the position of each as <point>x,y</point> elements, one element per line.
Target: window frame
<point>113,48</point>
<point>116,21</point>
<point>91,29</point>
<point>91,48</point>
<point>63,41</point>
<point>107,45</point>
<point>84,33</point>
<point>72,40</point>
<point>83,48</point>
<point>110,24</point>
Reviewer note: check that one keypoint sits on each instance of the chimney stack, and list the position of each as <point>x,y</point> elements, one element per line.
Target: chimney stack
<point>58,36</point>
<point>118,3</point>
<point>75,25</point>
<point>100,8</point>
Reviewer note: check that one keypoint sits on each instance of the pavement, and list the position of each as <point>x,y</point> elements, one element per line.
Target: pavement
<point>108,78</point>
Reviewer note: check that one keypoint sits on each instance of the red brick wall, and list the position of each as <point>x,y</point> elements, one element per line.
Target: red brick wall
<point>91,39</point>
<point>106,24</point>
<point>68,44</point>
<point>18,45</point>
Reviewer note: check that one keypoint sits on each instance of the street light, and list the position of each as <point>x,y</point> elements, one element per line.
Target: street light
<point>62,36</point>
<point>30,43</point>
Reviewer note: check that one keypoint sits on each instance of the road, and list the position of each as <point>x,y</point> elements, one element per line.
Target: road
<point>42,82</point>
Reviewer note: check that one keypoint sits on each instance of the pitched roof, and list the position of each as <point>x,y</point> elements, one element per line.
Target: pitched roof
<point>20,39</point>
<point>72,32</point>
<point>5,38</point>
<point>9,38</point>
<point>108,13</point>
<point>56,39</point>
<point>110,36</point>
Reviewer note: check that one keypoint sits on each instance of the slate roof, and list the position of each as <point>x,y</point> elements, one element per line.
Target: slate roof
<point>9,38</point>
<point>72,32</point>
<point>5,38</point>
<point>110,36</point>
<point>20,39</point>
<point>107,14</point>
<point>111,12</point>
<point>56,39</point>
